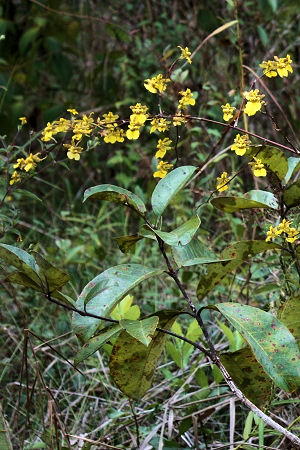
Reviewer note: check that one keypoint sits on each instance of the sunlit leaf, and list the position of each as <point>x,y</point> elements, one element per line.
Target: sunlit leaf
<point>120,280</point>
<point>115,194</point>
<point>169,186</point>
<point>272,157</point>
<point>195,252</point>
<point>273,345</point>
<point>253,199</point>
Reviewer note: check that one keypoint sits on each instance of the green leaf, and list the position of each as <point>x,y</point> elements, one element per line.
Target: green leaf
<point>272,157</point>
<point>63,298</point>
<point>272,343</point>
<point>27,38</point>
<point>169,186</point>
<point>132,365</point>
<point>248,375</point>
<point>175,354</point>
<point>293,163</point>
<point>120,280</point>
<point>233,257</point>
<point>195,252</point>
<point>96,342</point>
<point>253,199</point>
<point>142,330</point>
<point>127,243</point>
<point>248,426</point>
<point>28,194</point>
<point>289,314</point>
<point>291,195</point>
<point>115,194</point>
<point>22,279</point>
<point>52,277</point>
<point>20,259</point>
<point>182,235</point>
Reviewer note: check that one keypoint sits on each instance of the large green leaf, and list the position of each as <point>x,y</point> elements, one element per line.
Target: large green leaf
<point>195,252</point>
<point>248,375</point>
<point>182,235</point>
<point>132,364</point>
<point>273,345</point>
<point>169,186</point>
<point>253,199</point>
<point>96,342</point>
<point>289,314</point>
<point>120,280</point>
<point>272,157</point>
<point>291,195</point>
<point>233,257</point>
<point>142,330</point>
<point>115,194</point>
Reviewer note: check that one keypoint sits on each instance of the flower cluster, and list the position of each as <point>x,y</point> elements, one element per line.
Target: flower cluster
<point>73,151</point>
<point>254,102</point>
<point>163,146</point>
<point>227,111</point>
<point>291,233</point>
<point>280,66</point>
<point>223,181</point>
<point>159,124</point>
<point>26,165</point>
<point>179,119</point>
<point>185,54</point>
<point>186,99</point>
<point>112,133</point>
<point>137,120</point>
<point>241,144</point>
<point>258,168</point>
<point>156,84</point>
<point>162,169</point>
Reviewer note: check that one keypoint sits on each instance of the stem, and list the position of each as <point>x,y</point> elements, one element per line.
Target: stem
<point>136,424</point>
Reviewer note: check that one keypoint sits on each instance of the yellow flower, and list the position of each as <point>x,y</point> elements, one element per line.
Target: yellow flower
<point>159,124</point>
<point>133,131</point>
<point>254,102</point>
<point>23,120</point>
<point>162,169</point>
<point>73,111</point>
<point>284,65</point>
<point>223,181</point>
<point>139,113</point>
<point>187,99</point>
<point>29,163</point>
<point>241,143</point>
<point>284,226</point>
<point>185,54</point>
<point>227,111</point>
<point>163,146</point>
<point>48,132</point>
<point>73,151</point>
<point>109,118</point>
<point>156,84</point>
<point>293,235</point>
<point>258,168</point>
<point>269,68</point>
<point>179,119</point>
<point>272,233</point>
<point>83,127</point>
<point>113,134</point>
<point>15,178</point>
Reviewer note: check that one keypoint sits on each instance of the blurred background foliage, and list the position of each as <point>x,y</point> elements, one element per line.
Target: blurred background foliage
<point>94,56</point>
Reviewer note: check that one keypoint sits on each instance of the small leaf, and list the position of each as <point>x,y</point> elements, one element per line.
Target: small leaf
<point>272,343</point>
<point>115,194</point>
<point>252,199</point>
<point>289,314</point>
<point>52,277</point>
<point>195,252</point>
<point>291,195</point>
<point>142,330</point>
<point>272,157</point>
<point>96,342</point>
<point>28,194</point>
<point>132,365</point>
<point>182,235</point>
<point>120,280</point>
<point>127,243</point>
<point>233,257</point>
<point>169,186</point>
<point>248,375</point>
